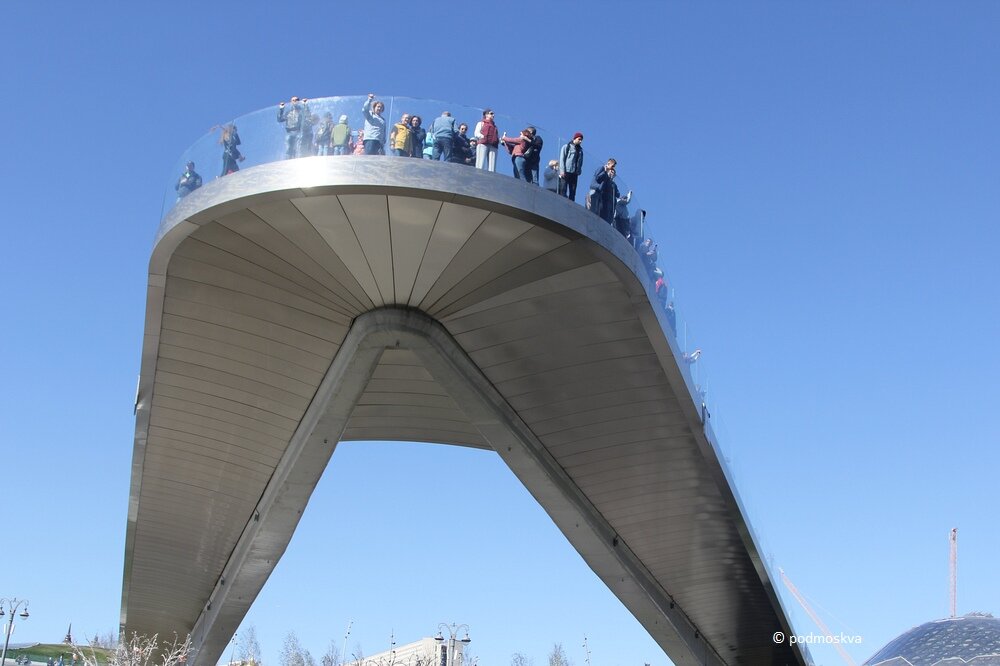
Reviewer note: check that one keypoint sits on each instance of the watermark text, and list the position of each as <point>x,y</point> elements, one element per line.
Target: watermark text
<point>779,637</point>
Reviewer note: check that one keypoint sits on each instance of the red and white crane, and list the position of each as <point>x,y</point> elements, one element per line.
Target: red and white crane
<point>815,618</point>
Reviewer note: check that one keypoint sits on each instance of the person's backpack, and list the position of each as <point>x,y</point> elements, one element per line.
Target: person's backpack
<point>323,135</point>
<point>293,119</point>
<point>341,134</point>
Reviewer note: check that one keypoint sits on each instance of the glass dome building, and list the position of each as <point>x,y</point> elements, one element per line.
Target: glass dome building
<point>972,639</point>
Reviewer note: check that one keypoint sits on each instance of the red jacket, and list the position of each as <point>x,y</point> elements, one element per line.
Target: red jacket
<point>489,132</point>
<point>661,288</point>
<point>515,145</point>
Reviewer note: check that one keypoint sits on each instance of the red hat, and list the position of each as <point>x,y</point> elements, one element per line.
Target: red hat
<point>578,135</point>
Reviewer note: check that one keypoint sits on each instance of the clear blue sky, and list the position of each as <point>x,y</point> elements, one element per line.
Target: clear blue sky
<point>824,177</point>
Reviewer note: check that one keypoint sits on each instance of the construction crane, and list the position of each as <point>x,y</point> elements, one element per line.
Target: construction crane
<point>815,618</point>
<point>953,561</point>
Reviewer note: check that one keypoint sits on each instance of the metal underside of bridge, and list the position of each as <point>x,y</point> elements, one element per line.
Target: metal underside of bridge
<point>302,303</point>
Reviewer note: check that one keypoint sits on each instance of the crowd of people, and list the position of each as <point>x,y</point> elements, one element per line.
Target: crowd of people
<point>308,134</point>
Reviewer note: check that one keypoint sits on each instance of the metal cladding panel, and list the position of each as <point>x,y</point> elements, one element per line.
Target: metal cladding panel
<point>306,247</point>
<point>223,396</point>
<point>369,216</point>
<point>255,287</point>
<point>402,400</point>
<point>533,244</point>
<point>411,222</point>
<point>252,236</point>
<point>226,319</point>
<point>586,274</point>
<point>217,383</point>
<point>455,225</point>
<point>349,264</point>
<point>221,253</point>
<point>494,234</point>
<point>564,257</point>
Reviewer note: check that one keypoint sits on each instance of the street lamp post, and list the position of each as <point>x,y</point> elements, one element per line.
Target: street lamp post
<point>453,630</point>
<point>12,606</point>
<point>343,655</point>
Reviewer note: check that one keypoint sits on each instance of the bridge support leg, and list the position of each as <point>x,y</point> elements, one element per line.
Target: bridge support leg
<point>270,528</point>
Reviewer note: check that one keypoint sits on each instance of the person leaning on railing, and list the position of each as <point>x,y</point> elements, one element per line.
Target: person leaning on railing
<point>443,131</point>
<point>622,218</point>
<point>188,182</point>
<point>649,254</point>
<point>660,287</point>
<point>552,176</point>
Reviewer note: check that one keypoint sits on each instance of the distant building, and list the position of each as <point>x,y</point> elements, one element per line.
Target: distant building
<point>424,652</point>
<point>970,640</point>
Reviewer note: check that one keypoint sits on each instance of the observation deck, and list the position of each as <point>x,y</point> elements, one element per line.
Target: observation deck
<point>302,302</point>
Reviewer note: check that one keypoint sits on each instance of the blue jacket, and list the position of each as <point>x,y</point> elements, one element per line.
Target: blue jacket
<point>443,127</point>
<point>571,159</point>
<point>602,183</point>
<point>551,178</point>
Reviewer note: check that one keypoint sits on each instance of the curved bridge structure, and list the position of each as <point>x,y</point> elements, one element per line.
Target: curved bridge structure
<point>302,303</point>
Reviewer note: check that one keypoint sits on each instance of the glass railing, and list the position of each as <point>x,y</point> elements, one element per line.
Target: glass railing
<point>334,127</point>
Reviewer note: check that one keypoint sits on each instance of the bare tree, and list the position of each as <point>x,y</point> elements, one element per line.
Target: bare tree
<point>468,658</point>
<point>518,659</point>
<point>141,650</point>
<point>558,656</point>
<point>249,647</point>
<point>332,655</point>
<point>292,653</point>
